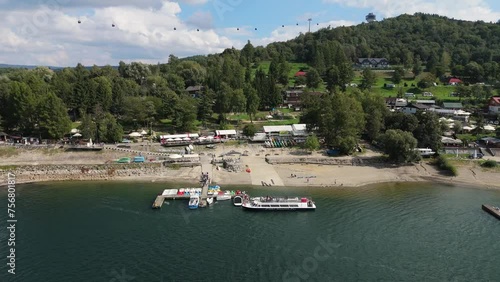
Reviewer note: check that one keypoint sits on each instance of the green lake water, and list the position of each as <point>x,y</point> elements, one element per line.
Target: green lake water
<point>87,231</point>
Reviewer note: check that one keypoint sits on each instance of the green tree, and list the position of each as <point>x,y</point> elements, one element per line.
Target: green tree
<point>252,101</point>
<point>397,75</point>
<point>313,80</point>
<point>87,127</point>
<point>341,122</point>
<point>205,107</point>
<point>238,101</point>
<point>428,131</point>
<point>110,130</point>
<point>312,143</point>
<point>249,130</point>
<point>53,117</point>
<point>417,66</point>
<point>368,79</point>
<point>375,112</point>
<point>184,115</point>
<point>399,145</point>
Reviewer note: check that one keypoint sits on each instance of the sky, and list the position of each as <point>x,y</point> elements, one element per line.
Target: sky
<point>48,32</point>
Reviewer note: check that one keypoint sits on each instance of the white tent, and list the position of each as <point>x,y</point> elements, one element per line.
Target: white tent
<point>177,139</point>
<point>135,134</point>
<point>77,135</point>
<point>175,156</point>
<point>186,139</point>
<point>74,130</point>
<point>144,132</point>
<point>170,140</point>
<point>468,128</point>
<point>489,127</point>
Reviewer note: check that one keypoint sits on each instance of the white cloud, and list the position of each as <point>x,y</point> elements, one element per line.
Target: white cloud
<point>461,9</point>
<point>54,37</point>
<point>289,32</point>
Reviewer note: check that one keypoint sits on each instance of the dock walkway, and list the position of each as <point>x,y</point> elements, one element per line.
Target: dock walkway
<point>494,211</point>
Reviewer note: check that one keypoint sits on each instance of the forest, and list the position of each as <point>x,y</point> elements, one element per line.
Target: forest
<point>108,101</point>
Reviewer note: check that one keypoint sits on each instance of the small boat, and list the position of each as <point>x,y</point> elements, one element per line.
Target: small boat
<point>223,196</point>
<point>238,200</point>
<point>194,202</point>
<point>210,200</point>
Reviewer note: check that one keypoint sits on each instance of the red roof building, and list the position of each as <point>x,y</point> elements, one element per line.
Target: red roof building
<point>454,80</point>
<point>300,73</point>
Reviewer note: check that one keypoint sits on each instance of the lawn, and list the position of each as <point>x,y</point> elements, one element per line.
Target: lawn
<point>440,92</point>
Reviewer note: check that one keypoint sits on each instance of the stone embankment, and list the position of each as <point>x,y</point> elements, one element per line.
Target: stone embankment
<point>344,161</point>
<point>37,173</point>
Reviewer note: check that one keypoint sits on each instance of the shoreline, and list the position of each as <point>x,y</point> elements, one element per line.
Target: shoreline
<point>257,167</point>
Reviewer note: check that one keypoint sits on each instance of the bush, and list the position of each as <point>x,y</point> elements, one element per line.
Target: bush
<point>489,164</point>
<point>442,163</point>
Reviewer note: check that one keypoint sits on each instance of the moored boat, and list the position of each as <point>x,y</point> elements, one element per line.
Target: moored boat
<point>278,203</point>
<point>223,196</point>
<point>238,200</point>
<point>210,200</point>
<point>194,201</point>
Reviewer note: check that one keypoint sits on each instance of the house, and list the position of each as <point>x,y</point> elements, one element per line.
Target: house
<point>299,130</point>
<point>195,91</point>
<point>395,103</point>
<point>373,63</point>
<point>494,105</point>
<point>454,81</point>
<point>278,130</point>
<point>452,106</point>
<point>413,108</point>
<point>300,73</point>
<point>292,98</point>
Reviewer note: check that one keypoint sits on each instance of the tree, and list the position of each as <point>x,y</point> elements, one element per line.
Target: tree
<point>87,127</point>
<point>53,117</point>
<point>369,79</point>
<point>300,80</point>
<point>428,131</point>
<point>417,66</point>
<point>205,107</point>
<point>238,101</point>
<point>427,81</point>
<point>247,54</point>
<point>313,80</point>
<point>375,112</point>
<point>184,115</point>
<point>252,102</point>
<point>1,124</point>
<point>341,121</point>
<point>110,130</point>
<point>249,130</point>
<point>312,143</point>
<point>398,75</point>
<point>399,145</point>
<point>402,121</point>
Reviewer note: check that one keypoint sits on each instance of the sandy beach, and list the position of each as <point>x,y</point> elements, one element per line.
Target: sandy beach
<point>35,166</point>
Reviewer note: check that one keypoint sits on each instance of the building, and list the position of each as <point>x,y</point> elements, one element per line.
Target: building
<point>278,130</point>
<point>371,17</point>
<point>454,81</point>
<point>395,103</point>
<point>195,91</point>
<point>452,106</point>
<point>413,108</point>
<point>373,63</point>
<point>292,98</point>
<point>300,73</point>
<point>226,134</point>
<point>494,105</point>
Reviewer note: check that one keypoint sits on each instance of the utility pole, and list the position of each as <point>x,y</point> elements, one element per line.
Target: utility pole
<point>309,24</point>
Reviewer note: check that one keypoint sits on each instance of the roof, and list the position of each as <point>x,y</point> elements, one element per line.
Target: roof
<point>372,60</point>
<point>226,132</point>
<point>277,128</point>
<point>448,140</point>
<point>418,106</point>
<point>299,127</point>
<point>187,135</point>
<point>426,101</point>
<point>3,134</point>
<point>300,73</point>
<point>194,88</point>
<point>496,99</point>
<point>454,80</point>
<point>448,105</point>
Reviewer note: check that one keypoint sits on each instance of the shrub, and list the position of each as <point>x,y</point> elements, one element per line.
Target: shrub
<point>489,164</point>
<point>444,164</point>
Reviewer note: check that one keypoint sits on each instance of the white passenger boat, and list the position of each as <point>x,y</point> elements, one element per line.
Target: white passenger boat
<point>194,201</point>
<point>278,203</point>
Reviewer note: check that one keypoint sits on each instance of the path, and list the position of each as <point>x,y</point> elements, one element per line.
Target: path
<point>262,171</point>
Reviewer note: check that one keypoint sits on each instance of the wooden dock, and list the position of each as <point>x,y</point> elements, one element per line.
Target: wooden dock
<point>158,202</point>
<point>494,211</point>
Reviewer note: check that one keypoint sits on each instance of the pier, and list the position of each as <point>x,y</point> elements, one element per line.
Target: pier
<point>494,211</point>
<point>158,202</point>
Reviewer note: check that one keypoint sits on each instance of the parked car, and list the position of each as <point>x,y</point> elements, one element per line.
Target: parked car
<point>428,94</point>
<point>409,94</point>
<point>125,140</point>
<point>125,160</point>
<point>478,156</point>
